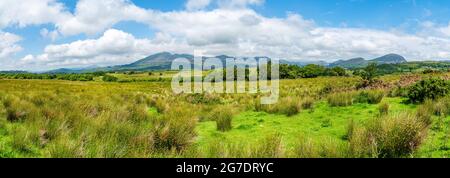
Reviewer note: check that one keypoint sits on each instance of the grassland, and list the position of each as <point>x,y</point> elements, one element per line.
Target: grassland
<point>141,117</point>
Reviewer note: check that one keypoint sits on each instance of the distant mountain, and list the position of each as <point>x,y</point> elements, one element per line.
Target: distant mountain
<point>361,62</point>
<point>159,61</point>
<point>65,71</point>
<point>390,59</point>
<point>163,61</point>
<point>13,72</point>
<point>351,63</point>
<point>303,63</point>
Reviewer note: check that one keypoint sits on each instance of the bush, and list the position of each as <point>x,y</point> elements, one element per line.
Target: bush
<point>389,137</point>
<point>341,99</point>
<point>109,78</point>
<point>432,88</point>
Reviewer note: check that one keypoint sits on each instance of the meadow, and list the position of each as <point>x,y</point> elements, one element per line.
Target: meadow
<point>138,116</point>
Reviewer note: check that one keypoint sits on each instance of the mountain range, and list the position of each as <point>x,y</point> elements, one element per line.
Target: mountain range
<point>163,61</point>
<point>361,62</point>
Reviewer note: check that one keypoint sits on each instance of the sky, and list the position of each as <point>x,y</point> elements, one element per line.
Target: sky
<point>40,35</point>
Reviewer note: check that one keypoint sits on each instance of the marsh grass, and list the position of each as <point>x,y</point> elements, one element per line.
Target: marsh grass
<point>341,99</point>
<point>389,137</point>
<point>288,106</point>
<point>324,148</point>
<point>383,109</point>
<point>224,118</point>
<point>175,130</point>
<point>145,119</point>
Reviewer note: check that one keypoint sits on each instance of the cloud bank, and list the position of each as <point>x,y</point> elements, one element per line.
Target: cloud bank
<point>229,27</point>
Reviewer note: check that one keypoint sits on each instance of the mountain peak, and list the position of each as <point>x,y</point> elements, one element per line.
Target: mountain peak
<point>390,59</point>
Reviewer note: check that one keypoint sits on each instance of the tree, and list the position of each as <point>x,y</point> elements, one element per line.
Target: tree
<point>109,78</point>
<point>335,71</point>
<point>312,71</point>
<point>369,72</point>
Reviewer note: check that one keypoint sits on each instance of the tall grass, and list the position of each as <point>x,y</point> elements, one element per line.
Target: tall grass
<point>288,106</point>
<point>175,130</point>
<point>341,99</point>
<point>389,137</point>
<point>383,109</point>
<point>224,118</point>
<point>323,148</point>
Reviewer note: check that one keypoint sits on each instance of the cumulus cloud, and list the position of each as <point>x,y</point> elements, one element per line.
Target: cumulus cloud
<point>230,4</point>
<point>232,28</point>
<point>197,4</point>
<point>91,17</point>
<point>238,3</point>
<point>113,47</point>
<point>31,12</point>
<point>8,45</point>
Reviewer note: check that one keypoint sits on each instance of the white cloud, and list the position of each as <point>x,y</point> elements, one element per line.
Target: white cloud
<point>45,33</point>
<point>113,47</point>
<point>8,45</point>
<point>238,3</point>
<point>197,4</point>
<point>31,12</point>
<point>92,17</point>
<point>232,28</point>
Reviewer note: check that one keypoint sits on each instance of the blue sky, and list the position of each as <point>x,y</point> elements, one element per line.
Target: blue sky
<point>73,33</point>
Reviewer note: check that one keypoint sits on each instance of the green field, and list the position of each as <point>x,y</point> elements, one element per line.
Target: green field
<point>143,118</point>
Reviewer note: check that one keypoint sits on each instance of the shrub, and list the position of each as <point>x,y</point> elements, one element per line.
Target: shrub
<point>341,99</point>
<point>109,78</point>
<point>389,137</point>
<point>432,88</point>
